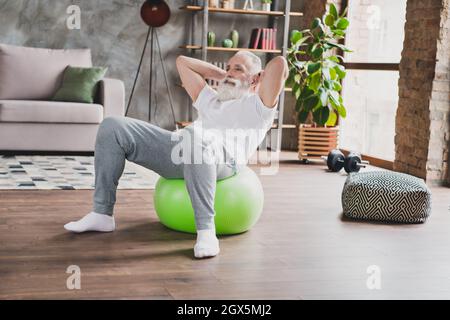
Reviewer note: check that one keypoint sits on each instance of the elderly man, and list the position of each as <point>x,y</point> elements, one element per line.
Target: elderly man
<point>246,98</point>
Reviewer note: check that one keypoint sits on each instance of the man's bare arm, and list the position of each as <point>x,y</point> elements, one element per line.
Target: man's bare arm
<point>193,73</point>
<point>272,81</point>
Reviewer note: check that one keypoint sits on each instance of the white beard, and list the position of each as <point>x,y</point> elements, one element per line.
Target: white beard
<point>227,91</point>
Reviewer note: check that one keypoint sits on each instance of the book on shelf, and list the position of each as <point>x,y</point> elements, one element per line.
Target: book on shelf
<point>254,38</point>
<point>263,38</point>
<point>275,5</point>
<point>264,41</point>
<point>274,38</point>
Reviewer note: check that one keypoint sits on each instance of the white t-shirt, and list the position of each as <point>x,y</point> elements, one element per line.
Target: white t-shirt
<point>239,125</point>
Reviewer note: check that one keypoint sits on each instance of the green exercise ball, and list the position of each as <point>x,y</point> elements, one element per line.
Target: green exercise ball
<point>238,203</point>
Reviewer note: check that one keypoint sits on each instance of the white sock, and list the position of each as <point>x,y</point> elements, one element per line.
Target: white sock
<point>93,221</point>
<point>207,244</point>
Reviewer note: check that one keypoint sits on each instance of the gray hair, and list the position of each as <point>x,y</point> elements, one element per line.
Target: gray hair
<point>255,61</point>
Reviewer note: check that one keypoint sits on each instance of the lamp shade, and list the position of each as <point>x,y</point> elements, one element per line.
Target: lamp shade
<point>155,13</point>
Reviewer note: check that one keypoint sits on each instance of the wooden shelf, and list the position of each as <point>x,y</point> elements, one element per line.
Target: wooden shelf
<point>192,47</point>
<point>183,124</point>
<point>286,126</point>
<point>242,11</point>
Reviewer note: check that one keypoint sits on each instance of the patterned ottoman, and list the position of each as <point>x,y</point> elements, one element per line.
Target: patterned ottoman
<point>386,196</point>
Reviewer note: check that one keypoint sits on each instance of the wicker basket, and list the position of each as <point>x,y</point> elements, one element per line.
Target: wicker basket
<point>314,142</point>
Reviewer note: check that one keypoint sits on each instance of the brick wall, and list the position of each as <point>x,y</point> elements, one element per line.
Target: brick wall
<point>422,120</point>
<point>437,166</point>
<point>311,10</point>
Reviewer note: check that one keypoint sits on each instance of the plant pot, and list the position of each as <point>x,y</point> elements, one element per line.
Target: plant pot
<point>266,6</point>
<point>315,141</point>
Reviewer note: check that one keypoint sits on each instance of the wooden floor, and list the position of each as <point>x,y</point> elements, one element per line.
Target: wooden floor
<point>300,249</point>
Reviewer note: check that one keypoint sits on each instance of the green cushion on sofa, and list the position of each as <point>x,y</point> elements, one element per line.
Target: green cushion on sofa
<point>79,84</point>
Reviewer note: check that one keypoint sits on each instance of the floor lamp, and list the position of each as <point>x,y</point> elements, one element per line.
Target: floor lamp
<point>155,13</point>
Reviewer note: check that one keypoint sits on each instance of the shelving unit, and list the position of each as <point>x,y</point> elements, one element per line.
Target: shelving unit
<point>273,16</point>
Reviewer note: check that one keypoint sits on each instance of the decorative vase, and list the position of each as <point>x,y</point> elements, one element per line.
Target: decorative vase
<point>227,43</point>
<point>213,3</point>
<point>226,4</point>
<point>235,38</point>
<point>266,6</point>
<point>211,39</point>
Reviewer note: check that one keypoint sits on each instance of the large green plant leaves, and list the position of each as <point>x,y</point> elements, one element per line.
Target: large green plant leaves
<point>333,11</point>
<point>329,20</point>
<point>302,116</point>
<point>299,105</point>
<point>339,46</point>
<point>321,115</point>
<point>331,119</point>
<point>336,102</point>
<point>307,92</point>
<point>342,23</point>
<point>340,70</point>
<point>315,23</point>
<point>313,67</point>
<point>290,79</point>
<point>311,102</point>
<point>295,36</point>
<point>323,94</point>
<point>317,52</point>
<point>296,90</point>
<point>317,80</point>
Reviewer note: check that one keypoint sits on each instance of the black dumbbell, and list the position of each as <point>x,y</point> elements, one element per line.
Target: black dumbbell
<point>353,162</point>
<point>335,160</point>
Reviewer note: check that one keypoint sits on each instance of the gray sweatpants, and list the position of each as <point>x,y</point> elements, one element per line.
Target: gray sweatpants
<point>120,138</point>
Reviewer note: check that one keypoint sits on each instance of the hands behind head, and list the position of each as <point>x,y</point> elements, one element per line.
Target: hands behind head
<point>261,74</point>
<point>258,78</point>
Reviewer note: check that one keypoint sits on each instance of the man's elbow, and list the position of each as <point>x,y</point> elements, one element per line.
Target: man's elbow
<point>282,66</point>
<point>285,68</point>
<point>180,60</point>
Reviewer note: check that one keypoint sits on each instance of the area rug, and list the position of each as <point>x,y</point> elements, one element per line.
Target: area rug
<point>65,172</point>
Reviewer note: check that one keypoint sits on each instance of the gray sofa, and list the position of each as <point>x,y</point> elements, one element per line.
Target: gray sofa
<point>30,121</point>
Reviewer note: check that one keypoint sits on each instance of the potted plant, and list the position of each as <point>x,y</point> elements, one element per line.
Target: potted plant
<point>266,4</point>
<point>316,71</point>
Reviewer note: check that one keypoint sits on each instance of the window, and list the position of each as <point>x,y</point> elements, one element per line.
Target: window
<point>370,89</point>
